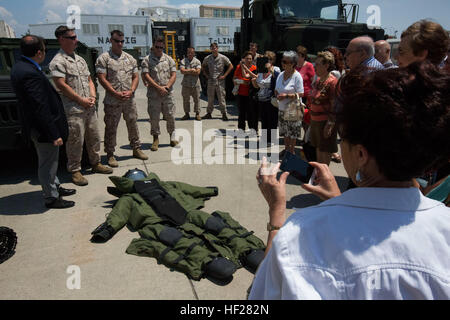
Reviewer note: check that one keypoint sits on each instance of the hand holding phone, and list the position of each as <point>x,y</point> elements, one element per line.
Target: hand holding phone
<point>298,168</point>
<point>326,186</point>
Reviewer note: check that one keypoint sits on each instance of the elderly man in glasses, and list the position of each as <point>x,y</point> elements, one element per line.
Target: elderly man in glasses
<point>71,76</point>
<point>118,73</point>
<point>361,51</point>
<point>159,74</point>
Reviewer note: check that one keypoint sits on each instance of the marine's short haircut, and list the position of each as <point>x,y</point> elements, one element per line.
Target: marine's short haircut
<point>61,30</point>
<point>118,32</point>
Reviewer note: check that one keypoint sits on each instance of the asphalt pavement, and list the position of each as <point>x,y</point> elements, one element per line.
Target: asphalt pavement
<point>54,258</point>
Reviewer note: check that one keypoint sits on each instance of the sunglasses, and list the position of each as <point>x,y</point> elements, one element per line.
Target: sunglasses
<point>71,38</point>
<point>119,41</point>
<point>159,47</point>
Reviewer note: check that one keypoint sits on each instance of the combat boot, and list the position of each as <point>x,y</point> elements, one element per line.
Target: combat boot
<point>139,154</point>
<point>224,117</point>
<point>197,117</point>
<point>78,179</point>
<point>99,168</point>
<point>207,116</point>
<point>173,143</point>
<point>186,117</point>
<point>112,162</point>
<point>155,144</point>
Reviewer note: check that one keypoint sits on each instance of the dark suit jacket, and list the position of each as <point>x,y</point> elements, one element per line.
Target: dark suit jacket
<point>41,103</point>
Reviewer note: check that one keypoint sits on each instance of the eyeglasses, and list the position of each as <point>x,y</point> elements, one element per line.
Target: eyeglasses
<point>119,41</point>
<point>159,47</point>
<point>71,38</point>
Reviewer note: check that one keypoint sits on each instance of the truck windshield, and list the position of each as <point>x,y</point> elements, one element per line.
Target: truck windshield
<point>308,9</point>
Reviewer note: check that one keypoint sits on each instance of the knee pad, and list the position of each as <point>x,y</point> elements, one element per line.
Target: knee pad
<point>170,236</point>
<point>220,268</point>
<point>252,260</point>
<point>214,225</point>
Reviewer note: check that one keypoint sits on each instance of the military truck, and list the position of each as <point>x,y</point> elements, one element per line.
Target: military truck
<point>13,135</point>
<point>281,25</point>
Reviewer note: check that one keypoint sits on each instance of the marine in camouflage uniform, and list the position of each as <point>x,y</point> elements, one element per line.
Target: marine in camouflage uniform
<point>71,76</point>
<point>159,74</point>
<point>214,70</point>
<point>175,231</point>
<point>190,86</point>
<point>118,74</point>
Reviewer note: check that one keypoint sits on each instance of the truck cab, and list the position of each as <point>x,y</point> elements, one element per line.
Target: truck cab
<point>280,25</point>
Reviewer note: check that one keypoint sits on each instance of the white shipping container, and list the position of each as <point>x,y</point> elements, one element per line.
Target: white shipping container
<point>205,31</point>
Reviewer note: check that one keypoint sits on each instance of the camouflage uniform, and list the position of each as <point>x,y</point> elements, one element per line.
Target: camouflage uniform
<point>190,86</point>
<point>159,69</point>
<point>119,72</point>
<point>215,68</point>
<point>82,122</point>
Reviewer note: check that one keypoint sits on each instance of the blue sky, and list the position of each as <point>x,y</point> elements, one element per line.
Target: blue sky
<point>396,15</point>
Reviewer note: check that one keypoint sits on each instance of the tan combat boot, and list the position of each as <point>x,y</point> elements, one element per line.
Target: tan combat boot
<point>112,162</point>
<point>78,179</point>
<point>197,117</point>
<point>155,143</point>
<point>173,143</point>
<point>99,168</point>
<point>138,154</point>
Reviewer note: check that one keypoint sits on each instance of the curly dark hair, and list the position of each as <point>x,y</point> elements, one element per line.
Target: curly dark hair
<point>338,58</point>
<point>401,116</point>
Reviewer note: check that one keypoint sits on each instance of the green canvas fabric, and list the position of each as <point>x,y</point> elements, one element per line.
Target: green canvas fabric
<point>198,246</point>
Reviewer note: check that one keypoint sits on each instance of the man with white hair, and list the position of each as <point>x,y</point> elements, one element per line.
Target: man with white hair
<point>360,51</point>
<point>383,54</point>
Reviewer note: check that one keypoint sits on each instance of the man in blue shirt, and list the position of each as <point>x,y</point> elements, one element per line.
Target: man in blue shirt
<point>44,117</point>
<point>361,51</point>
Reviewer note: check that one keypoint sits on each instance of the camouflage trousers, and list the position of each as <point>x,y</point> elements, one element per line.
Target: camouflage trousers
<point>158,104</point>
<point>112,118</point>
<point>219,89</point>
<point>82,127</point>
<point>187,93</point>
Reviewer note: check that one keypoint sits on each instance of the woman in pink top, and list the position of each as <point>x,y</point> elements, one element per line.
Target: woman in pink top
<point>322,133</point>
<point>306,70</point>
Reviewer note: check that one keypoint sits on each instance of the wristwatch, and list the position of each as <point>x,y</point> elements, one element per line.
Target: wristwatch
<point>271,227</point>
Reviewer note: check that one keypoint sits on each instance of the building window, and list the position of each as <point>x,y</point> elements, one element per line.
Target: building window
<point>222,31</point>
<point>202,30</point>
<point>91,29</point>
<point>139,29</point>
<point>216,13</point>
<point>224,13</point>
<point>112,27</point>
<point>232,14</point>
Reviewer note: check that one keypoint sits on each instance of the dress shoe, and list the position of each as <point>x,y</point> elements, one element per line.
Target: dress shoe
<point>139,154</point>
<point>207,116</point>
<point>112,162</point>
<point>99,168</point>
<point>197,117</point>
<point>78,179</point>
<point>63,192</point>
<point>186,117</point>
<point>59,203</point>
<point>155,144</point>
<point>224,117</point>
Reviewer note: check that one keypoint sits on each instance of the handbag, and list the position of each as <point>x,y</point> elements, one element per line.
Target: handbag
<point>295,109</point>
<point>274,101</point>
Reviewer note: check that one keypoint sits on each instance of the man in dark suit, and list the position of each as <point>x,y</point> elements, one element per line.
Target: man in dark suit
<point>44,116</point>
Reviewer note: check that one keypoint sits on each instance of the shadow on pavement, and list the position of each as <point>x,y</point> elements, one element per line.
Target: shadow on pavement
<point>23,204</point>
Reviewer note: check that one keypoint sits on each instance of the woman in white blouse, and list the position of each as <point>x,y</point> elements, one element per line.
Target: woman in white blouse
<point>289,84</point>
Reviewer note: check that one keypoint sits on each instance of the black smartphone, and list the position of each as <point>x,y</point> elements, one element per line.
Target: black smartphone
<point>297,167</point>
<point>261,64</point>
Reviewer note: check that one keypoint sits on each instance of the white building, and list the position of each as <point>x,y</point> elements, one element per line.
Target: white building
<point>95,31</point>
<point>164,13</point>
<point>6,31</point>
<point>205,31</point>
